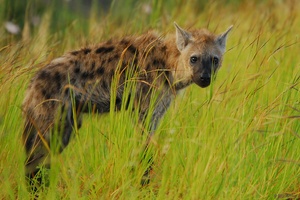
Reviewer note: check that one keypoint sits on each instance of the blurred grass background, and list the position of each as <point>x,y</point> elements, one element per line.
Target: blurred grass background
<point>238,139</point>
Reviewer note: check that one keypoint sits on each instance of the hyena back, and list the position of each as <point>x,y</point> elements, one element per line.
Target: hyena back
<point>162,65</point>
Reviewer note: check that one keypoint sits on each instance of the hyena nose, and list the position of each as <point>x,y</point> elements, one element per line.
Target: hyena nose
<point>205,79</point>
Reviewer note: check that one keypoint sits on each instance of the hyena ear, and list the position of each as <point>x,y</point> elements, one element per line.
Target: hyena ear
<point>221,39</point>
<point>182,37</point>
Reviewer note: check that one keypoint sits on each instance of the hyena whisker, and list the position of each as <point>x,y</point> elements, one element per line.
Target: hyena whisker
<point>143,73</point>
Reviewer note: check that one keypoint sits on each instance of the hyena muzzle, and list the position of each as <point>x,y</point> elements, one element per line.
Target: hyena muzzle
<point>68,86</point>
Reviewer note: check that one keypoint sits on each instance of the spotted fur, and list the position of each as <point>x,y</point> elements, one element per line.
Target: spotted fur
<point>160,65</point>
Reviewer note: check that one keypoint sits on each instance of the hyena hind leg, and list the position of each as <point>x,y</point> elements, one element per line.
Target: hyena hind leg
<point>69,120</point>
<point>72,122</point>
<point>38,150</point>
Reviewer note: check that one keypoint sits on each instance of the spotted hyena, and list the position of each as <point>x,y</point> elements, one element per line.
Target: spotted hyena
<point>83,79</point>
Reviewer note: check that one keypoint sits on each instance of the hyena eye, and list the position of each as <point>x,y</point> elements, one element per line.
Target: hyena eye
<point>193,59</point>
<point>215,61</point>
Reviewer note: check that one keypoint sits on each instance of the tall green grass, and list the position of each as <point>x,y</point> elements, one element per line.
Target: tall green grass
<point>238,139</point>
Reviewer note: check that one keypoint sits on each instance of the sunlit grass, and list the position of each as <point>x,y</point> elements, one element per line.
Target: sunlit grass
<point>239,139</point>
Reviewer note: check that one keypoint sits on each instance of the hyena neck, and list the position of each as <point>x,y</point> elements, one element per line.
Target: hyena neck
<point>181,76</point>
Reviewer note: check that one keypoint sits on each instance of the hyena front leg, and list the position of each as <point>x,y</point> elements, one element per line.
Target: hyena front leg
<point>159,111</point>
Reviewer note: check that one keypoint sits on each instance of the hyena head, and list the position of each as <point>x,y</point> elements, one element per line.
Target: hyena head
<point>201,53</point>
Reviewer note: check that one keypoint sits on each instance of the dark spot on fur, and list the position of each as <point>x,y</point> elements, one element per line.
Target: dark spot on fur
<point>109,59</point>
<point>86,51</point>
<point>74,53</point>
<point>72,80</point>
<point>124,42</point>
<point>43,75</point>
<point>153,49</point>
<point>132,49</point>
<point>105,49</point>
<point>46,94</point>
<point>91,75</point>
<point>148,67</point>
<point>100,70</point>
<point>76,70</point>
<point>84,75</point>
<point>77,67</point>
<point>114,58</point>
<point>57,77</point>
<point>155,62</point>
<point>163,49</point>
<point>159,62</point>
